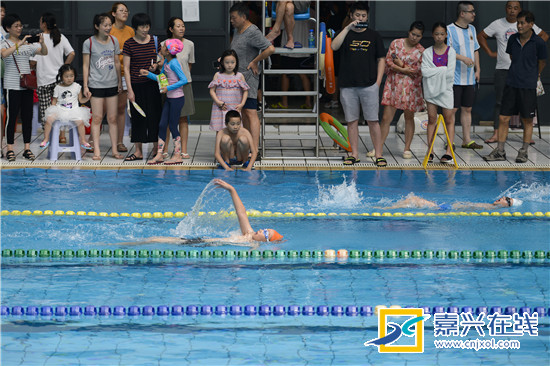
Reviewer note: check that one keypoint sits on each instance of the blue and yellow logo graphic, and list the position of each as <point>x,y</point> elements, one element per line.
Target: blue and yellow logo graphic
<point>412,327</point>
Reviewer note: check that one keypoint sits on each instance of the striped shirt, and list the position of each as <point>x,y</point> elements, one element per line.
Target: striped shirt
<point>140,57</point>
<point>11,75</point>
<point>464,42</point>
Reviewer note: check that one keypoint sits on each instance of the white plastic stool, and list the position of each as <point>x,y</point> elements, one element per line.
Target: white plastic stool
<point>72,145</point>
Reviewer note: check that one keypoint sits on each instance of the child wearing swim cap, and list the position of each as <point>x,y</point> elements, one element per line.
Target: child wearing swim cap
<point>267,235</point>
<point>174,100</point>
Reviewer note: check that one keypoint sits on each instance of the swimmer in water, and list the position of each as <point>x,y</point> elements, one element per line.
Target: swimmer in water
<point>412,201</point>
<point>248,235</point>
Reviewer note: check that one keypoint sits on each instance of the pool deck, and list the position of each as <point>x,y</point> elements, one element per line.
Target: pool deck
<point>201,150</point>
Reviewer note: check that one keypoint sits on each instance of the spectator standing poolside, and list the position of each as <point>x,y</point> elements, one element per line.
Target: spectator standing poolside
<point>101,80</point>
<point>361,71</point>
<point>47,67</point>
<point>140,52</point>
<point>16,54</point>
<point>3,35</point>
<point>122,32</point>
<point>403,88</point>
<point>251,47</point>
<point>502,29</point>
<point>438,70</point>
<point>176,29</point>
<point>228,90</point>
<point>462,37</point>
<point>528,53</point>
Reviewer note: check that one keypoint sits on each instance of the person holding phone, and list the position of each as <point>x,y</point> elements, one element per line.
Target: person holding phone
<point>16,54</point>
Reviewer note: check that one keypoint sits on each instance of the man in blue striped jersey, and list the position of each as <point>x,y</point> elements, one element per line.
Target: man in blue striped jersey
<point>462,37</point>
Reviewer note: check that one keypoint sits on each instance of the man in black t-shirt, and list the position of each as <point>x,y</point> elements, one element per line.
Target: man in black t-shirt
<point>362,64</point>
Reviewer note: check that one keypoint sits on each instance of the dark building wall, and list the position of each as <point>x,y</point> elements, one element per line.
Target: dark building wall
<point>211,34</point>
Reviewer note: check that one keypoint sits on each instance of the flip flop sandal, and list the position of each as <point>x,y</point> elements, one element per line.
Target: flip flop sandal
<point>490,141</point>
<point>132,157</point>
<point>431,158</point>
<point>446,159</point>
<point>472,145</point>
<point>165,155</point>
<point>62,140</point>
<point>10,155</point>
<point>155,162</point>
<point>96,157</point>
<point>185,156</point>
<point>121,147</point>
<point>27,154</point>
<point>381,162</point>
<point>85,146</point>
<point>173,163</point>
<point>278,106</point>
<point>350,160</point>
<point>118,156</point>
<point>43,146</point>
<point>407,154</point>
<point>371,154</point>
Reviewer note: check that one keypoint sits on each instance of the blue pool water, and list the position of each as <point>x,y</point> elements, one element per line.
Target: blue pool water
<point>215,340</point>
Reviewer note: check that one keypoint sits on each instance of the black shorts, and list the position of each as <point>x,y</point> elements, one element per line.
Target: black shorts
<point>251,103</point>
<point>296,62</point>
<point>104,92</point>
<point>518,100</point>
<point>463,95</point>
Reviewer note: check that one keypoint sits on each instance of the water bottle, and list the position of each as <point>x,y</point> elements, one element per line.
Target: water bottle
<point>311,39</point>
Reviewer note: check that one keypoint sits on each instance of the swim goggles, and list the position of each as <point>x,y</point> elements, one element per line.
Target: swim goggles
<point>266,234</point>
<point>509,201</point>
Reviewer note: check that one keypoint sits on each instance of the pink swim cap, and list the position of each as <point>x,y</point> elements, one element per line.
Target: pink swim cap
<point>174,46</point>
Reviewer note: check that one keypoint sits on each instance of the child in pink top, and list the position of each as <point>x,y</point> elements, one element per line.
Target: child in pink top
<point>228,89</point>
<point>174,99</point>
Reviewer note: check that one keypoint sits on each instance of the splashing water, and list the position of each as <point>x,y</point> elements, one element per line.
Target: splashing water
<point>194,225</point>
<point>343,196</point>
<point>534,192</point>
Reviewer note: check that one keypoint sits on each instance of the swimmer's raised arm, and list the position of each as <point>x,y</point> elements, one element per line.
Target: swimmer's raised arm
<point>240,210</point>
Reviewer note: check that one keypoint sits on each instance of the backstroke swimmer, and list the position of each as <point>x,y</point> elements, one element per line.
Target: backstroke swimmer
<point>248,236</point>
<point>412,201</point>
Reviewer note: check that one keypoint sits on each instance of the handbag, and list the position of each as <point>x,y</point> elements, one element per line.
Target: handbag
<point>27,81</point>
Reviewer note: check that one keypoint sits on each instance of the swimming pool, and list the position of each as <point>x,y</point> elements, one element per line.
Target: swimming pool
<point>334,207</point>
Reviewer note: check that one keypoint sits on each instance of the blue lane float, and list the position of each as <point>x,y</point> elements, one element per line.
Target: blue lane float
<point>248,310</point>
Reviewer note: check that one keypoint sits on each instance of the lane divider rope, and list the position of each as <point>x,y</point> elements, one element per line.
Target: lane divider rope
<point>341,254</point>
<point>249,310</point>
<point>255,213</point>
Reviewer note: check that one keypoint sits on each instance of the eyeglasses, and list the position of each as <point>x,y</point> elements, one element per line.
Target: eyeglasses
<point>470,11</point>
<point>123,11</point>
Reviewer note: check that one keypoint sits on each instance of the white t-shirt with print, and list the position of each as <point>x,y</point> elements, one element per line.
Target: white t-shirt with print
<point>502,30</point>
<point>67,96</point>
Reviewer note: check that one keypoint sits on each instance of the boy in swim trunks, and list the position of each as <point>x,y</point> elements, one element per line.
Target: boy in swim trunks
<point>234,143</point>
